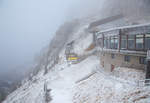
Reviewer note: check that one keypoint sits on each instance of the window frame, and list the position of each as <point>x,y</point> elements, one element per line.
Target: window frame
<point>112,56</point>
<point>112,42</point>
<point>142,60</point>
<point>116,38</point>
<point>134,38</point>
<point>125,43</point>
<point>145,48</point>
<point>127,58</point>
<point>139,49</point>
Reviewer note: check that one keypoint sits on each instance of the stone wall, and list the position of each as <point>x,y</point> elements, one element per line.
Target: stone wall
<point>110,63</point>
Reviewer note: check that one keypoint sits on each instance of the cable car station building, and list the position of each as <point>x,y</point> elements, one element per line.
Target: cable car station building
<point>123,46</point>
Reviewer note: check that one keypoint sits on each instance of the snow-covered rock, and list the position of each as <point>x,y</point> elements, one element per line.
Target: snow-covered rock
<point>98,88</point>
<point>65,83</point>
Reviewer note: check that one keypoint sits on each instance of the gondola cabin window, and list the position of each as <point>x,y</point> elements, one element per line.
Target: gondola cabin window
<point>139,42</point>
<point>124,42</point>
<point>147,41</point>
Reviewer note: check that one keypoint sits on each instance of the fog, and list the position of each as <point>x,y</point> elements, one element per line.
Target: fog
<point>26,26</point>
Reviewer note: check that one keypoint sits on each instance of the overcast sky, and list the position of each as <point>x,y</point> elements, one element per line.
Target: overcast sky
<point>26,26</point>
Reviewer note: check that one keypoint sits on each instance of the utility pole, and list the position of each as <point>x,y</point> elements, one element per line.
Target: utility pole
<point>47,91</point>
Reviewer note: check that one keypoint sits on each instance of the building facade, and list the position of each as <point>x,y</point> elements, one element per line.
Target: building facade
<point>123,46</point>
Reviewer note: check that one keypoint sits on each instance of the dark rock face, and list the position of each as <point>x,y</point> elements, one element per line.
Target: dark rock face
<point>4,89</point>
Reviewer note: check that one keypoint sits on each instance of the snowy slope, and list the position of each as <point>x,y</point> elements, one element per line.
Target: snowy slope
<point>103,89</point>
<point>62,80</point>
<point>67,83</point>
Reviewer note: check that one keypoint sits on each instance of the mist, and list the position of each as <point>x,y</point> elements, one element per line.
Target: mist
<point>26,26</point>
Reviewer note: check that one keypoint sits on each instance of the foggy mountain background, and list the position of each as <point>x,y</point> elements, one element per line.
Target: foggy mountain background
<point>26,26</point>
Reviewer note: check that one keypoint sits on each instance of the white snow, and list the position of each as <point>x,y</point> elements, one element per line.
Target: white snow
<point>102,87</point>
<point>64,83</point>
<point>99,88</point>
<point>83,39</point>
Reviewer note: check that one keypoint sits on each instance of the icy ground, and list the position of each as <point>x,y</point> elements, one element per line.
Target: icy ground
<point>74,83</point>
<point>65,80</point>
<point>98,88</point>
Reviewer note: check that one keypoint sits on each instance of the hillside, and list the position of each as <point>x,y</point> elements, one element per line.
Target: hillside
<point>55,80</point>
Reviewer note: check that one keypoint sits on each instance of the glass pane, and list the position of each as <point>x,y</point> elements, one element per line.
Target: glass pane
<point>108,39</point>
<point>147,41</point>
<point>112,43</point>
<point>142,60</point>
<point>127,58</point>
<point>139,41</point>
<point>112,56</point>
<point>131,42</point>
<point>116,42</point>
<point>124,42</point>
<point>105,42</point>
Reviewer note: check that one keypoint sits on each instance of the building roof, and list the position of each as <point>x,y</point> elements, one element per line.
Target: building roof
<point>105,20</point>
<point>133,29</point>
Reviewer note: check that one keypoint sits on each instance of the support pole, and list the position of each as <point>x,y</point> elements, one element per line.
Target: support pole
<point>148,70</point>
<point>119,41</point>
<point>148,67</point>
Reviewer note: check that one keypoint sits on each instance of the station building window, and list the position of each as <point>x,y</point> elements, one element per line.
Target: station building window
<point>112,56</point>
<point>115,42</point>
<point>139,42</point>
<point>111,42</point>
<point>147,41</point>
<point>105,42</point>
<point>108,42</point>
<point>142,60</point>
<point>131,41</point>
<point>127,58</point>
<point>124,42</point>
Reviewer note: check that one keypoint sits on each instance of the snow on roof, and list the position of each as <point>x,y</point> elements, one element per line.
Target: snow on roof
<point>143,26</point>
<point>105,20</point>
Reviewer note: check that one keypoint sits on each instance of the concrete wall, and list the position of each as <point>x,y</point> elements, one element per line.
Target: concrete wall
<point>118,61</point>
